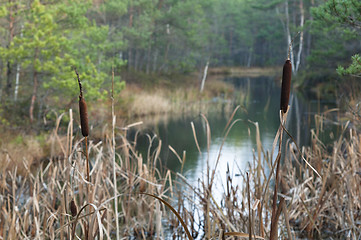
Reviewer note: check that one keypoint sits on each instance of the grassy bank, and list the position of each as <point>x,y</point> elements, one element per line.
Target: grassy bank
<point>245,72</point>
<point>145,97</point>
<point>139,101</point>
<point>151,97</point>
<point>160,100</point>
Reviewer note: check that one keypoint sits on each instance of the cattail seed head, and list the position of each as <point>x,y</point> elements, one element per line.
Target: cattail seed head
<point>142,186</point>
<point>73,208</point>
<point>83,117</point>
<point>286,85</point>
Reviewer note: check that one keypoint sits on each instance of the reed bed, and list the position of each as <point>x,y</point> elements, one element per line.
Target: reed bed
<point>108,190</point>
<point>142,103</point>
<point>45,203</point>
<point>312,207</point>
<point>327,207</point>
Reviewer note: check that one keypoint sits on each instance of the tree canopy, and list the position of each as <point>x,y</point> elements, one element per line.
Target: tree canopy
<point>42,41</point>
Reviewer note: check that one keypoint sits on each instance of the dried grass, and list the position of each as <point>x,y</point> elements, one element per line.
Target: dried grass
<point>22,149</point>
<point>150,104</point>
<point>38,205</point>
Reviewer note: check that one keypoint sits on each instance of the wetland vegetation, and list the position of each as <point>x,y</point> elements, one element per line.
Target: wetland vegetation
<point>182,136</point>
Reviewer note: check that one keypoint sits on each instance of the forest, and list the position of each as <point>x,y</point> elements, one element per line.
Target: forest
<point>42,41</point>
<point>124,64</point>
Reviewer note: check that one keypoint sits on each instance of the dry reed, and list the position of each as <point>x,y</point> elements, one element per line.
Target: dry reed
<point>83,110</point>
<point>34,204</point>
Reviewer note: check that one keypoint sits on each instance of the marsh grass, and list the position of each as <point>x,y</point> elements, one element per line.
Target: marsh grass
<point>159,101</point>
<point>37,204</point>
<point>310,205</point>
<point>50,202</point>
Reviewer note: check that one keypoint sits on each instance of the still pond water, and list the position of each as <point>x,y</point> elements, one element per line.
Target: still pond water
<point>259,103</point>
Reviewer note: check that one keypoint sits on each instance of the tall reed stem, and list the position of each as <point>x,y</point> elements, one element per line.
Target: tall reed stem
<point>87,160</point>
<point>277,208</point>
<point>285,95</point>
<point>85,132</point>
<point>114,163</point>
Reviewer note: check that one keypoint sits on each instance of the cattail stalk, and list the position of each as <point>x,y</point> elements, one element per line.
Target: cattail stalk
<point>85,132</point>
<point>285,95</point>
<point>83,122</point>
<point>114,163</point>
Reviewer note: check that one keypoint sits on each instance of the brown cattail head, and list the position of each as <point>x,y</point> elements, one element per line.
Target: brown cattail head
<point>73,208</point>
<point>83,116</point>
<point>286,85</point>
<point>142,186</point>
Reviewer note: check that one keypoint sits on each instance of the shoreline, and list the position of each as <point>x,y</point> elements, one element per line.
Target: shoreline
<point>245,71</point>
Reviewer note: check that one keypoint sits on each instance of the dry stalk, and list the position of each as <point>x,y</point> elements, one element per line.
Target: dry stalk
<point>285,94</point>
<point>114,162</point>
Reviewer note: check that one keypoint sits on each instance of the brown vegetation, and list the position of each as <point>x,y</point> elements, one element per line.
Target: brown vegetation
<point>313,191</point>
<point>42,204</point>
<point>138,102</point>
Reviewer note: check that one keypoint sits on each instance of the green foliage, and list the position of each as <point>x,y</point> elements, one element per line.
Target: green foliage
<point>345,12</point>
<point>53,38</point>
<point>354,69</point>
<point>72,14</point>
<point>3,11</point>
<point>49,38</point>
<point>118,87</point>
<point>18,140</point>
<point>42,48</point>
<point>3,120</point>
<point>335,39</point>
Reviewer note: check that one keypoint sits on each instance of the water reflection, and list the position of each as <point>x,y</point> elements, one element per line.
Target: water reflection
<point>260,103</point>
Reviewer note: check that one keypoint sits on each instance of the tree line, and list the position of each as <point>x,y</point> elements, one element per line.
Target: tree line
<point>43,40</point>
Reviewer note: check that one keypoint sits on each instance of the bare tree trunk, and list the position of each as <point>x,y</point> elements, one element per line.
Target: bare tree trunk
<point>289,40</point>
<point>249,60</point>
<point>8,78</point>
<point>204,77</point>
<point>165,59</point>
<point>147,68</point>
<point>33,97</point>
<point>231,43</point>
<point>281,19</point>
<point>35,90</point>
<point>131,14</point>
<point>129,57</point>
<point>130,26</point>
<point>11,37</point>
<point>160,4</point>
<point>309,36</point>
<point>302,20</point>
<point>298,117</point>
<point>155,57</point>
<point>17,82</point>
<point>136,59</point>
<point>18,73</point>
<point>41,101</point>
